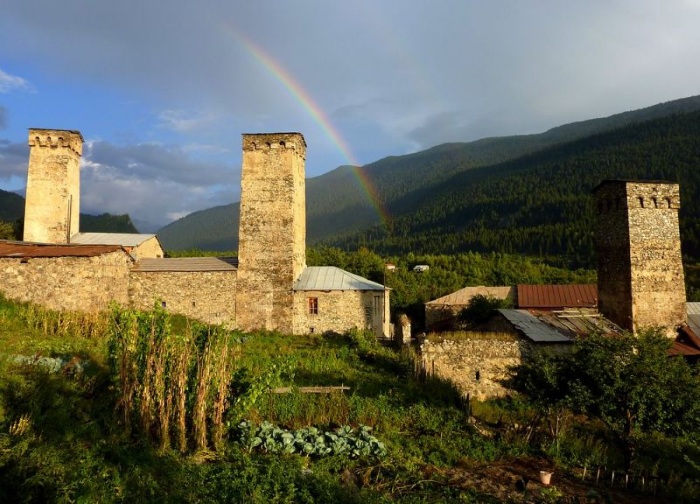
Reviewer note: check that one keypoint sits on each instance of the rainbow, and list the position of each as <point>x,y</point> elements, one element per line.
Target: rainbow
<point>316,113</point>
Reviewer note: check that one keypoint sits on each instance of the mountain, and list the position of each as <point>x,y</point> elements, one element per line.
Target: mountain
<point>11,206</point>
<point>540,203</point>
<point>340,207</point>
<point>12,210</point>
<point>211,229</point>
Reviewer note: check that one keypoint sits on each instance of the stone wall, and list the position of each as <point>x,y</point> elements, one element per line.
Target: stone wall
<point>476,367</point>
<point>341,310</point>
<point>272,229</point>
<point>52,206</point>
<point>640,270</point>
<point>208,296</point>
<point>68,283</point>
<point>149,248</point>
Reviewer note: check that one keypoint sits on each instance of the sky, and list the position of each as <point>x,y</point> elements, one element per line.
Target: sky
<point>162,90</point>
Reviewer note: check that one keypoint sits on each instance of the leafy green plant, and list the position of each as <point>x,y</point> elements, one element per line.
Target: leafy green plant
<point>310,441</point>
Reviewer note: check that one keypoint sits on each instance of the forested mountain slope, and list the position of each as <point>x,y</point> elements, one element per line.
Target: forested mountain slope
<point>338,204</point>
<point>12,210</point>
<point>540,203</point>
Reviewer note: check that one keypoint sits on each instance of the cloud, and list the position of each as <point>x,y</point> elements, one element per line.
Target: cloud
<point>9,83</point>
<point>14,157</point>
<point>152,182</point>
<point>184,121</point>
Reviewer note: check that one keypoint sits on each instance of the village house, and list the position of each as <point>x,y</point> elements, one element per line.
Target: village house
<point>268,286</point>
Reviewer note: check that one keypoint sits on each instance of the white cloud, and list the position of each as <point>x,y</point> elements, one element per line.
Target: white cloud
<point>9,83</point>
<point>184,121</point>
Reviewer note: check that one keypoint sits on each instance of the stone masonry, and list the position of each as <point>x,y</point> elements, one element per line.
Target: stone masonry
<point>476,367</point>
<point>68,283</point>
<point>52,207</point>
<point>209,296</point>
<point>346,309</point>
<point>272,232</point>
<point>640,269</point>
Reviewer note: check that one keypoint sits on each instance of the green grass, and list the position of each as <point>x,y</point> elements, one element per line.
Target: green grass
<point>62,440</point>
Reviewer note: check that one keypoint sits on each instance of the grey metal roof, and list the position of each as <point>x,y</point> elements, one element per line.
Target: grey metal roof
<point>327,278</point>
<point>123,239</point>
<point>186,264</point>
<point>532,327</point>
<point>694,316</point>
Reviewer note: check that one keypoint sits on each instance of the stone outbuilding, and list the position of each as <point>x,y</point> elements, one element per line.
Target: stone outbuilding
<point>138,245</point>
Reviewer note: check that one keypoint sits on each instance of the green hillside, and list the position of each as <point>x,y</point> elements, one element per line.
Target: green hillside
<point>338,206</point>
<point>540,204</point>
<point>11,206</point>
<point>12,210</point>
<point>212,229</point>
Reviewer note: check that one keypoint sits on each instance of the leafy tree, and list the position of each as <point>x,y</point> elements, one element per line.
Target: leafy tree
<point>480,308</point>
<point>7,231</point>
<point>628,382</point>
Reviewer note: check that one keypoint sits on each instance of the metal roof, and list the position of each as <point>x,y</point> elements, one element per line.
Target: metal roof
<point>558,296</point>
<point>13,249</point>
<point>328,278</point>
<point>123,239</point>
<point>533,328</point>
<point>462,296</point>
<point>186,264</point>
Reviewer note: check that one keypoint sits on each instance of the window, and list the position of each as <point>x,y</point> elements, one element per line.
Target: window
<point>313,306</point>
<point>377,305</point>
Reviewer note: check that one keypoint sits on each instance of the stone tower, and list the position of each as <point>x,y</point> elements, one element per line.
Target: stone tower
<point>640,272</point>
<point>52,206</point>
<point>272,230</point>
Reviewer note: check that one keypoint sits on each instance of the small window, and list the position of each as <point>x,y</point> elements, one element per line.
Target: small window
<point>163,304</point>
<point>313,306</point>
<point>641,202</point>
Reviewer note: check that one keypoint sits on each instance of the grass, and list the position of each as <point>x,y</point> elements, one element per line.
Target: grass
<point>64,439</point>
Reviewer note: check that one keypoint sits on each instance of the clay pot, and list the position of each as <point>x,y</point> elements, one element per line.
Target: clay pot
<point>545,477</point>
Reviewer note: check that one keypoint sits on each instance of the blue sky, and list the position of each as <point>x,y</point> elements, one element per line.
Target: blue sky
<point>162,90</point>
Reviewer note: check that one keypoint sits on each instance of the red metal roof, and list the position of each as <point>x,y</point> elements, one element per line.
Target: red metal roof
<point>19,250</point>
<point>686,344</point>
<point>557,296</point>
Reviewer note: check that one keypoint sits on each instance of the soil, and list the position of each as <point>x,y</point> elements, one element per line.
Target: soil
<point>517,481</point>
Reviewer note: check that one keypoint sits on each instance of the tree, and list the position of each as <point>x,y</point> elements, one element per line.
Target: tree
<point>628,382</point>
<point>7,231</point>
<point>480,308</point>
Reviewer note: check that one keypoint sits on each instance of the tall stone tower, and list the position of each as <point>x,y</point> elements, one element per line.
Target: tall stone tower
<point>272,230</point>
<point>640,272</point>
<point>52,206</point>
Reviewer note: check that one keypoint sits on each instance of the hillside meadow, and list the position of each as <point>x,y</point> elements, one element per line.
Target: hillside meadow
<point>144,407</point>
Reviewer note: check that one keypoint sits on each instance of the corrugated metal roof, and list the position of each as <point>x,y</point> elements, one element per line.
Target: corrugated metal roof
<point>577,321</point>
<point>327,278</point>
<point>186,264</point>
<point>462,296</point>
<point>123,239</point>
<point>533,328</point>
<point>12,249</point>
<point>686,343</point>
<point>558,296</point>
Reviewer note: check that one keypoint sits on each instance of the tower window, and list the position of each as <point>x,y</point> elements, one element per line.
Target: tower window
<point>641,202</point>
<point>313,306</point>
<point>654,202</point>
<point>668,202</point>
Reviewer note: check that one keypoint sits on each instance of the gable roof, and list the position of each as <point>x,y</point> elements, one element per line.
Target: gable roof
<point>123,239</point>
<point>558,296</point>
<point>186,264</point>
<point>462,296</point>
<point>330,278</point>
<point>18,250</point>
